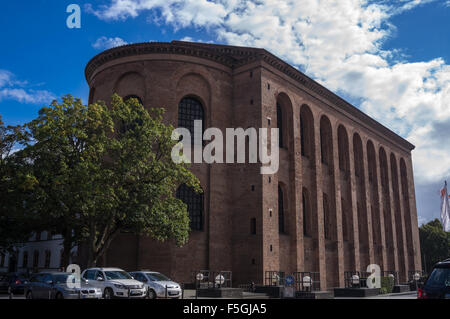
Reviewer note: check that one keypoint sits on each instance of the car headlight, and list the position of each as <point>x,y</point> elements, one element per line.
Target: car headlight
<point>120,286</point>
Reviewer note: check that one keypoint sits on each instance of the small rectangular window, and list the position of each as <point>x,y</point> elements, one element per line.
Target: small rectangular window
<point>253,226</point>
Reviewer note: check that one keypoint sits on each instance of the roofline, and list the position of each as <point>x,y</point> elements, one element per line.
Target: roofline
<point>222,54</point>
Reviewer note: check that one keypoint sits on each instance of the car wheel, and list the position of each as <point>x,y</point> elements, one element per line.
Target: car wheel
<point>108,294</point>
<point>151,294</point>
<point>29,295</point>
<point>59,296</point>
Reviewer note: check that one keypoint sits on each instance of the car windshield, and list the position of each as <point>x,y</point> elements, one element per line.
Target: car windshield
<point>440,277</point>
<point>157,277</point>
<point>110,275</point>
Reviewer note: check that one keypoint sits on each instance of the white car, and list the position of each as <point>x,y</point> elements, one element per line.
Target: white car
<point>157,283</point>
<point>115,283</point>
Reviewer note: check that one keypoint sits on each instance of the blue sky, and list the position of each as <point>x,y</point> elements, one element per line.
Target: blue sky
<point>390,58</point>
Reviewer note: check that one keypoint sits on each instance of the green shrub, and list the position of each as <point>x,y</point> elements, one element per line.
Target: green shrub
<point>387,285</point>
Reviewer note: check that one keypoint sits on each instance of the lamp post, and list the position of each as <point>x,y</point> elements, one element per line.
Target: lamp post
<point>220,280</point>
<point>307,283</point>
<point>416,278</point>
<point>355,280</point>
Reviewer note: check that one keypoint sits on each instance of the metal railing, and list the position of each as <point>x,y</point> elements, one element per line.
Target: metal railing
<point>212,279</point>
<point>351,281</point>
<point>274,278</point>
<point>307,281</point>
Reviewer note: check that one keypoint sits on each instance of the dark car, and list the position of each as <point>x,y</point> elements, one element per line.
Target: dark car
<point>58,286</point>
<point>437,285</point>
<point>13,282</point>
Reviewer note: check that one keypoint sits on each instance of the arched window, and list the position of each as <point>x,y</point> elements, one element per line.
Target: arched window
<point>326,147</point>
<point>326,217</point>
<point>194,202</point>
<point>345,233</point>
<point>280,210</point>
<point>307,132</point>
<point>306,215</point>
<point>302,136</point>
<point>280,125</point>
<point>129,97</point>
<point>190,110</point>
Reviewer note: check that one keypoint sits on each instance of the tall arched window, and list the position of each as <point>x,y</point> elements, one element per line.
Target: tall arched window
<point>345,233</point>
<point>302,136</point>
<point>307,132</point>
<point>306,214</point>
<point>326,146</point>
<point>194,202</point>
<point>190,110</point>
<point>326,217</point>
<point>280,210</point>
<point>280,125</point>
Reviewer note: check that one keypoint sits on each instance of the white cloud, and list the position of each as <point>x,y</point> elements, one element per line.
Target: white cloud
<point>104,43</point>
<point>338,43</point>
<point>13,89</point>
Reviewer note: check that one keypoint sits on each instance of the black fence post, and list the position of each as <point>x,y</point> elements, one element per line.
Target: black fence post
<point>166,292</point>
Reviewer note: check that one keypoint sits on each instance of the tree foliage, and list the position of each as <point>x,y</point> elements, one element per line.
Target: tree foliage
<point>16,183</point>
<point>100,170</point>
<point>434,243</point>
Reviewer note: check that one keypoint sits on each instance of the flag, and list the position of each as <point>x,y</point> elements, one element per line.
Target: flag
<point>445,208</point>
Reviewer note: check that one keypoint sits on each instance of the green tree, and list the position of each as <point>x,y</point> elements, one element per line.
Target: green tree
<point>434,243</point>
<point>106,169</point>
<point>16,183</point>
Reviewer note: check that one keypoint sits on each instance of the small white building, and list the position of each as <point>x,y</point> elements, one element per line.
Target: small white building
<point>43,252</point>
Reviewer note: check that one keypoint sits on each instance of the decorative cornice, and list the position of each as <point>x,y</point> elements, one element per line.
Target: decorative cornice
<point>233,57</point>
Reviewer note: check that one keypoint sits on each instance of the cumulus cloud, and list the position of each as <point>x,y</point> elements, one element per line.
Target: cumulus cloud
<point>339,44</point>
<point>104,43</point>
<point>13,89</point>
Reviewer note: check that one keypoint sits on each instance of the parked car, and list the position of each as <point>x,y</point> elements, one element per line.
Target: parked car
<point>437,285</point>
<point>157,283</point>
<point>13,282</point>
<point>55,286</point>
<point>115,283</point>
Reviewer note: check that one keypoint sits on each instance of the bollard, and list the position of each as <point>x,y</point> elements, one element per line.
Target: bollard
<point>129,293</point>
<point>166,292</point>
<point>11,295</point>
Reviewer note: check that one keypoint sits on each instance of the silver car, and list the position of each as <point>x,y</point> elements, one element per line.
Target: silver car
<point>158,285</point>
<point>57,286</point>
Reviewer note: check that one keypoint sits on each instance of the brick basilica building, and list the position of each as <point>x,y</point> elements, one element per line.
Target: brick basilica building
<point>343,197</point>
